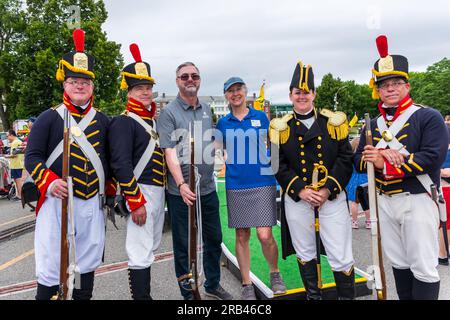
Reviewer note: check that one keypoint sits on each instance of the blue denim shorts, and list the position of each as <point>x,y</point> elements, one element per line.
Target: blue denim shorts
<point>16,173</point>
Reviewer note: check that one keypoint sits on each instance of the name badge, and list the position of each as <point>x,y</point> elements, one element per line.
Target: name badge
<point>256,123</point>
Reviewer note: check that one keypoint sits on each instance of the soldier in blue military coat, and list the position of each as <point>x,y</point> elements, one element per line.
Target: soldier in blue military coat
<point>88,168</point>
<point>411,144</point>
<point>138,165</point>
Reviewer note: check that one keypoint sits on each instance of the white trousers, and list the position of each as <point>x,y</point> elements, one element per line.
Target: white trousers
<point>335,231</point>
<point>409,226</point>
<point>143,241</point>
<point>89,237</point>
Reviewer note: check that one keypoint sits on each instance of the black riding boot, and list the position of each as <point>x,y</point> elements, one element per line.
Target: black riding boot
<point>308,272</point>
<point>139,281</point>
<point>345,285</point>
<point>425,290</point>
<point>404,283</point>
<point>87,286</point>
<point>46,293</point>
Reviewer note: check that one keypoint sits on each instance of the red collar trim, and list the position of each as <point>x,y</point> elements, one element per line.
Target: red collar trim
<point>402,106</point>
<point>139,109</point>
<point>71,107</point>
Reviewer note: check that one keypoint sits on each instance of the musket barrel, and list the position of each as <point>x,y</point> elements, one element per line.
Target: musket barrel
<point>64,257</point>
<point>193,228</point>
<point>377,255</point>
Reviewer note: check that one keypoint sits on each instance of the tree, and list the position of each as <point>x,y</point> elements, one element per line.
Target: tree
<point>12,24</point>
<point>432,87</point>
<point>347,96</point>
<point>47,38</point>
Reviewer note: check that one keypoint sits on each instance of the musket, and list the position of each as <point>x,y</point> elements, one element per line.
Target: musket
<point>193,226</point>
<point>64,258</point>
<point>377,254</point>
<point>440,202</point>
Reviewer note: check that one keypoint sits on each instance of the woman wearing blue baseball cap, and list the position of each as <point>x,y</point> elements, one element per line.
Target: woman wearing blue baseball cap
<point>250,183</point>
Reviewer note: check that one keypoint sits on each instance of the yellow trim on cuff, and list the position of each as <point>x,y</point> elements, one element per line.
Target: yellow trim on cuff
<point>44,181</point>
<point>129,183</point>
<point>136,200</point>
<point>133,192</point>
<point>407,167</point>
<point>412,162</point>
<point>335,181</point>
<point>35,168</point>
<point>290,183</point>
<point>40,174</point>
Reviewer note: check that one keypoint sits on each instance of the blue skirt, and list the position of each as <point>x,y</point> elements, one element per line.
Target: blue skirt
<point>356,180</point>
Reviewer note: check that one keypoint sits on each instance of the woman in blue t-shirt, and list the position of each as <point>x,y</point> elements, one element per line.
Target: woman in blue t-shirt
<point>250,184</point>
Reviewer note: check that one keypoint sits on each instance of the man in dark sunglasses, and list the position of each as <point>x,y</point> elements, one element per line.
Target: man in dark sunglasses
<point>175,124</point>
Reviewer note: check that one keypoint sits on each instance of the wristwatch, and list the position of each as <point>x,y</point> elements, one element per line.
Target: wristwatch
<point>180,184</point>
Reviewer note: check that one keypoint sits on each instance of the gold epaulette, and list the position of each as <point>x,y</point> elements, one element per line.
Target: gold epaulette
<point>279,130</point>
<point>337,124</point>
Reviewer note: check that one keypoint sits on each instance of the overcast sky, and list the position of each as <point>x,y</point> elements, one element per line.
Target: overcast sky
<point>264,39</point>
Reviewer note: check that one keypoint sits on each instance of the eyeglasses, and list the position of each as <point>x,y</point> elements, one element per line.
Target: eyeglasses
<point>394,85</point>
<point>81,83</point>
<point>185,76</point>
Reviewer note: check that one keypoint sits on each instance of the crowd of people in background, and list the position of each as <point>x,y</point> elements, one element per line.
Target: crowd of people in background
<point>13,170</point>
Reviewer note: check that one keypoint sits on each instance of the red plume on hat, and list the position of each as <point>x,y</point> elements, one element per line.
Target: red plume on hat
<point>382,46</point>
<point>134,48</point>
<point>78,40</point>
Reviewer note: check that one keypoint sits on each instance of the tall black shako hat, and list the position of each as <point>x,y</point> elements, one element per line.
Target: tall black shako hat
<point>76,63</point>
<point>388,66</point>
<point>136,73</point>
<point>303,78</point>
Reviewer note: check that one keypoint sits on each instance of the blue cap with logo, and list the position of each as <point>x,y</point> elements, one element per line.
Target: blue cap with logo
<point>232,81</point>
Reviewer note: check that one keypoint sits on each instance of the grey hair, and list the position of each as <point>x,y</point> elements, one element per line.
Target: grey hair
<point>186,64</point>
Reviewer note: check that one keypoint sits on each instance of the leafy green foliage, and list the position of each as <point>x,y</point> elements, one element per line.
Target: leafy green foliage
<point>431,88</point>
<point>30,64</point>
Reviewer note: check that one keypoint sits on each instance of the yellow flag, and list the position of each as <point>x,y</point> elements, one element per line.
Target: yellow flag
<point>258,104</point>
<point>353,121</point>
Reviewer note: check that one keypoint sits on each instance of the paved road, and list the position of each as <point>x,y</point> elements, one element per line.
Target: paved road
<point>17,263</point>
